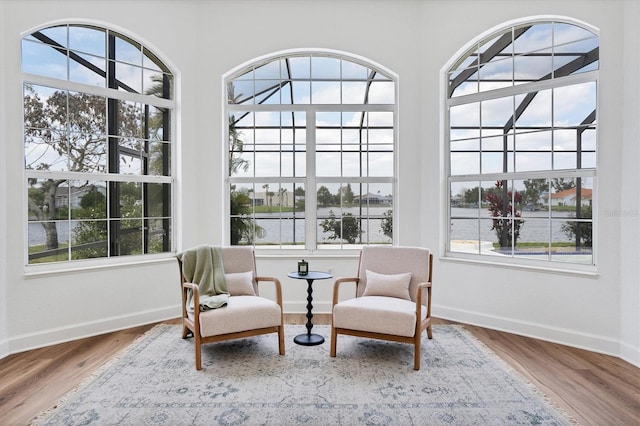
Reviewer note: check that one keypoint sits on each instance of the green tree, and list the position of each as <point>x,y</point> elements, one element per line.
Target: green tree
<point>236,145</point>
<point>472,196</point>
<point>533,189</point>
<point>90,234</point>
<point>299,198</point>
<point>325,198</point>
<point>243,229</point>
<point>282,197</point>
<point>581,232</point>
<point>562,184</point>
<point>346,228</point>
<point>347,194</point>
<point>386,225</point>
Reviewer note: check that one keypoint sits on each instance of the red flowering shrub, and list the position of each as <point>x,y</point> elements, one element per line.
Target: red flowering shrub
<point>501,205</point>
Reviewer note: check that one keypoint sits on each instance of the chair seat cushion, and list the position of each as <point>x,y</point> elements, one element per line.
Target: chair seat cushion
<point>241,313</point>
<point>378,314</point>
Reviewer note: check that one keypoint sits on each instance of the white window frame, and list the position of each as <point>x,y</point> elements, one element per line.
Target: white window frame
<point>48,268</point>
<point>311,180</point>
<point>448,102</point>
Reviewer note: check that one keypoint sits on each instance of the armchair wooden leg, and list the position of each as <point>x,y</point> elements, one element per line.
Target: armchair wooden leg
<point>334,338</point>
<point>198,350</point>
<point>416,352</point>
<point>281,339</point>
<point>429,334</point>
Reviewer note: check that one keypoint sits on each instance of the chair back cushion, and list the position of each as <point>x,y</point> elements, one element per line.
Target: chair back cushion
<point>394,260</point>
<point>239,259</point>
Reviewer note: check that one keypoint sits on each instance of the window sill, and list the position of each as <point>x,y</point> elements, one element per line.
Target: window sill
<point>52,269</point>
<point>588,271</point>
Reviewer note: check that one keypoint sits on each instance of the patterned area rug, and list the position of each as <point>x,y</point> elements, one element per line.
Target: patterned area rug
<point>246,382</point>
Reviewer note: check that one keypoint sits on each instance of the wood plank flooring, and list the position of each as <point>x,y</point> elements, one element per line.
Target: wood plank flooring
<point>595,389</point>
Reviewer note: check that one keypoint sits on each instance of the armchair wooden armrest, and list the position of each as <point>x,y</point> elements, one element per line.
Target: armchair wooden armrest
<point>338,283</point>
<point>420,302</point>
<point>276,284</point>
<point>196,302</point>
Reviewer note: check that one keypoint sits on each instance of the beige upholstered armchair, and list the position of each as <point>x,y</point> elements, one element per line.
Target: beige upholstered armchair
<point>393,298</point>
<point>244,313</point>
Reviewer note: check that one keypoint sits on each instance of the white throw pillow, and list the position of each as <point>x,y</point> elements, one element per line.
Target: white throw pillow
<point>388,285</point>
<point>240,284</point>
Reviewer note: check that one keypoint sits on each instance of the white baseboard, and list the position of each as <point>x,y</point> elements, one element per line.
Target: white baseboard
<point>54,336</point>
<point>573,338</point>
<point>4,348</point>
<point>630,354</point>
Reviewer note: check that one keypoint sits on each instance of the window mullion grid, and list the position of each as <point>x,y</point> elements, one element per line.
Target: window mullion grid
<point>311,202</point>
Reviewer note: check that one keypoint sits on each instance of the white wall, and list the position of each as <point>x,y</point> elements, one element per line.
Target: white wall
<point>628,215</point>
<point>4,334</point>
<point>205,39</point>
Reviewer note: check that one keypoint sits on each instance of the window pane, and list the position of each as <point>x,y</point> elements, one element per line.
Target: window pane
<point>130,236</point>
<point>465,116</point>
<point>496,74</point>
<point>87,40</point>
<point>532,67</point>
<point>465,236</point>
<point>159,159</point>
<point>56,35</point>
<point>48,200</point>
<point>130,196</point>
<point>325,68</point>
<point>156,84</point>
<point>159,235</point>
<point>572,242</point>
<point>353,92</point>
<point>88,200</point>
<point>130,119</point>
<point>45,107</point>
<point>128,77</point>
<point>88,70</point>
<point>325,92</point>
<point>130,151</point>
<point>300,67</point>
<point>301,92</point>
<point>573,104</point>
<point>87,152</point>
<point>128,51</point>
<point>381,92</point>
<point>496,113</point>
<point>465,163</point>
<point>536,37</point>
<point>48,241</point>
<point>157,200</point>
<point>42,59</point>
<point>538,110</point>
<point>89,240</point>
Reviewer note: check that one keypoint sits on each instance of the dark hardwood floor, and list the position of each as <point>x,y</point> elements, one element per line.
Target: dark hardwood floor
<point>595,389</point>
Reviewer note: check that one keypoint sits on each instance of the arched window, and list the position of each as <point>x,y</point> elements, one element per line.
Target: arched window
<point>311,145</point>
<point>521,143</point>
<point>98,108</point>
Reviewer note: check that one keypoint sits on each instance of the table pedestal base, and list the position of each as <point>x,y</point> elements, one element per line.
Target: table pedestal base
<point>308,339</point>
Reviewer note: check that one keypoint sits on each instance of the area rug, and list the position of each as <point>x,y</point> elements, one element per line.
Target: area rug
<point>246,382</point>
